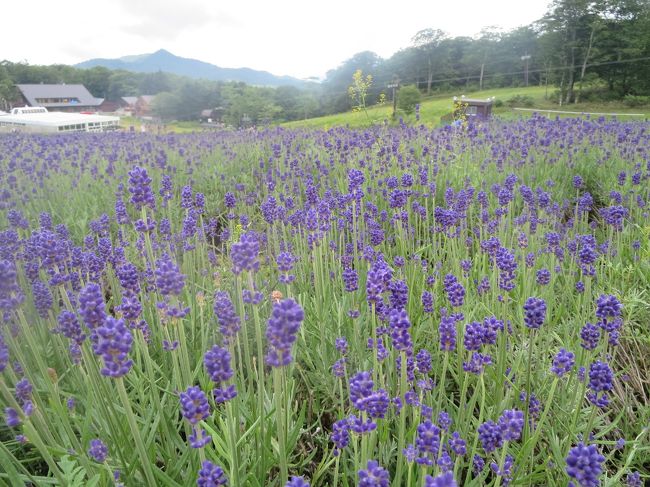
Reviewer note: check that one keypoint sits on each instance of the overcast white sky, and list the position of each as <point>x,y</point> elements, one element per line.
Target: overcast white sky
<point>299,38</point>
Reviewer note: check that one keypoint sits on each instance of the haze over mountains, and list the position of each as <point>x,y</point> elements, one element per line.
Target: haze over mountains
<point>163,60</point>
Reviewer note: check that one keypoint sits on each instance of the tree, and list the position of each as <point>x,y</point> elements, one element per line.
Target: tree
<point>96,79</point>
<point>167,105</point>
<point>428,41</point>
<point>577,21</point>
<point>408,97</point>
<point>121,83</point>
<point>358,90</point>
<point>154,83</point>
<point>335,87</point>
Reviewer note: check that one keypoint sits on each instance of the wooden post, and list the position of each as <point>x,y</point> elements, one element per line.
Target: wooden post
<point>395,86</point>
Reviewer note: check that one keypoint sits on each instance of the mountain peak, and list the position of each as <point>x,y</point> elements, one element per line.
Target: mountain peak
<point>163,60</point>
<point>162,52</point>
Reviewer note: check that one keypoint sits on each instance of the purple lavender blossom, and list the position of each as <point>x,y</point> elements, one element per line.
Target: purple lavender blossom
<point>4,353</point>
<point>445,462</point>
<point>217,364</point>
<point>42,298</point>
<point>399,326</point>
<point>199,438</point>
<point>140,188</point>
<point>444,420</point>
<point>398,294</point>
<point>601,377</point>
<point>244,254</point>
<point>447,332</point>
<point>490,436</point>
<point>427,442</point>
<point>534,312</point>
<point>578,182</point>
<point>377,281</point>
<point>129,277</point>
<point>69,326</point>
<point>11,294</point>
<point>478,463</point>
<point>584,464</point>
<point>166,190</point>
<point>477,363</point>
<point>563,362</point>
<point>543,277</point>
<point>455,290</point>
<point>296,481</point>
<point>457,444</point>
<point>98,450</point>
<point>507,265</point>
<point>211,475</point>
<point>338,368</point>
<point>340,435</point>
<point>12,418</point>
<point>92,307</point>
<point>286,261</point>
<point>229,200</point>
<point>506,471</point>
<point>423,361</point>
<point>443,480</point>
<point>355,180</point>
<point>376,404</point>
<point>23,390</point>
<point>511,423</point>
<point>427,302</point>
<point>194,405</point>
<point>473,338</point>
<point>633,479</point>
<point>169,280</point>
<point>281,331</point>
<point>361,385</point>
<point>350,279</point>
<point>373,476</point>
<point>186,197</point>
<point>112,340</point>
<point>229,322</point>
<point>199,202</point>
<point>615,215</point>
<point>608,309</point>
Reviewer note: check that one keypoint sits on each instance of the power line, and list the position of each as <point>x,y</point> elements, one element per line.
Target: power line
<point>512,73</point>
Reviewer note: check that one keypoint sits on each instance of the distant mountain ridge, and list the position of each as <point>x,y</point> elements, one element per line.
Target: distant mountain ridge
<point>163,60</point>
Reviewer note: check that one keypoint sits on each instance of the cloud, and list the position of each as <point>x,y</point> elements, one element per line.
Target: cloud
<point>164,19</point>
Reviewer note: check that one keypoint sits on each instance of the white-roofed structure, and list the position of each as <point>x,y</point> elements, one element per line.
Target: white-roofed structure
<point>38,119</point>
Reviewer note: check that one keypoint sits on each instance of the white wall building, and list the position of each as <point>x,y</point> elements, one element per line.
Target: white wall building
<point>38,119</point>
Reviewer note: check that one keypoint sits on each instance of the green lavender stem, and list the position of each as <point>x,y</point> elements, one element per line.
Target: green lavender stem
<point>280,415</point>
<point>130,417</point>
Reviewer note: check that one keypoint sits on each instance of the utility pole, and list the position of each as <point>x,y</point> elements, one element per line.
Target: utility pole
<point>394,84</point>
<point>525,58</point>
<point>480,82</point>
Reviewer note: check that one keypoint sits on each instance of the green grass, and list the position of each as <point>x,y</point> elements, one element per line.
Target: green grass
<point>434,107</point>
<point>178,127</point>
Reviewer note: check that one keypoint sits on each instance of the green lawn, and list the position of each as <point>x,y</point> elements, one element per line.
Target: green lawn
<point>432,108</point>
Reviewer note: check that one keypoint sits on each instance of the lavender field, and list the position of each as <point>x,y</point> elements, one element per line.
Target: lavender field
<point>393,306</point>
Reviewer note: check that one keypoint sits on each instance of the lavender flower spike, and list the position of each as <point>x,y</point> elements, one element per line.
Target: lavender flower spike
<point>282,330</point>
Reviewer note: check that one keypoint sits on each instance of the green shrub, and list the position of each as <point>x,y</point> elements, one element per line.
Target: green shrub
<point>634,101</point>
<point>598,94</point>
<point>408,97</point>
<point>520,101</point>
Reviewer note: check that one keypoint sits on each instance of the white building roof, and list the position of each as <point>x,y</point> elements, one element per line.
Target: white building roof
<point>55,119</point>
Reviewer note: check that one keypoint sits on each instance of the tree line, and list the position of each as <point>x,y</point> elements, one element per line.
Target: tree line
<point>582,49</point>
